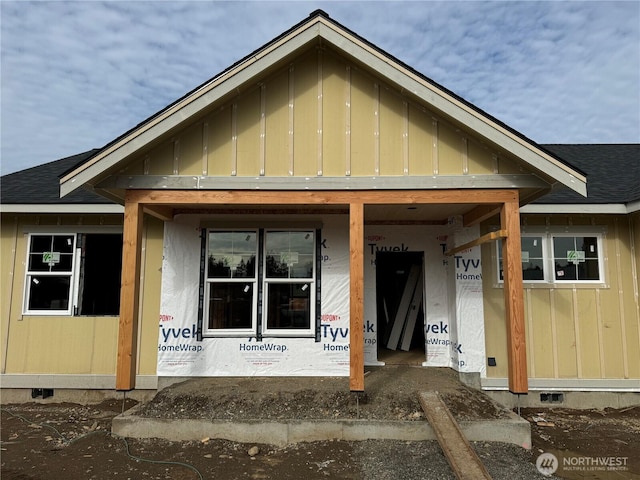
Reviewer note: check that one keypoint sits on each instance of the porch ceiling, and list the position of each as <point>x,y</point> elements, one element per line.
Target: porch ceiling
<point>389,214</point>
<point>414,213</point>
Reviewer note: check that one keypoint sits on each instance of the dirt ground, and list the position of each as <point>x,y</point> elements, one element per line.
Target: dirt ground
<point>391,393</point>
<point>69,441</point>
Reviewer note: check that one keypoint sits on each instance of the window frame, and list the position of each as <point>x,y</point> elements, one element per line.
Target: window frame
<point>548,234</point>
<point>259,328</point>
<point>74,274</point>
<point>230,332</point>
<point>268,281</point>
<point>70,274</point>
<point>599,258</point>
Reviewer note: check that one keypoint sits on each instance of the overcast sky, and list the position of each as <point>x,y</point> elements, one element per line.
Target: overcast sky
<point>76,75</point>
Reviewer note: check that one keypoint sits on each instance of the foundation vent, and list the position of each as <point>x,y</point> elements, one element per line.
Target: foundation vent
<point>551,397</point>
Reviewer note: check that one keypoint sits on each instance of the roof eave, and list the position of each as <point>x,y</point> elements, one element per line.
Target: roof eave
<point>581,208</point>
<point>66,208</point>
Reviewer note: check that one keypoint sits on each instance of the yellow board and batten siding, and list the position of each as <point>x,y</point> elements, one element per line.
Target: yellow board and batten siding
<point>582,331</point>
<point>320,115</point>
<point>41,344</point>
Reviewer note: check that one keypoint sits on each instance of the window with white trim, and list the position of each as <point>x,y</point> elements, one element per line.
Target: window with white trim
<point>260,282</point>
<point>73,274</point>
<point>231,282</point>
<point>557,258</point>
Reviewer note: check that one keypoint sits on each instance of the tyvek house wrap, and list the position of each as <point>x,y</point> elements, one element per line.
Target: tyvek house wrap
<point>454,319</point>
<point>457,342</point>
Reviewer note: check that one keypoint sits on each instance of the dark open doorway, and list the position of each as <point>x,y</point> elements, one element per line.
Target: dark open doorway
<point>400,307</point>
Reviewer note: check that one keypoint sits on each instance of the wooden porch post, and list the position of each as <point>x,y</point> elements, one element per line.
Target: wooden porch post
<point>356,304</point>
<point>514,298</point>
<point>129,294</point>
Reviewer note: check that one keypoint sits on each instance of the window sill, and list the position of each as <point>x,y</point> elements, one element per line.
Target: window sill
<point>561,286</point>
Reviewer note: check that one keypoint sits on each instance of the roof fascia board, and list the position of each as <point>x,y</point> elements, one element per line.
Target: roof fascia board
<point>81,208</point>
<point>199,100</point>
<point>186,182</point>
<point>633,207</point>
<point>351,45</point>
<point>455,108</point>
<point>577,208</point>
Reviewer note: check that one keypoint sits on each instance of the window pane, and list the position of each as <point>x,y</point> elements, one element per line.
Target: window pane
<point>562,246</point>
<point>51,253</point>
<point>532,259</point>
<point>290,254</point>
<point>576,258</point>
<point>232,254</point>
<point>63,243</point>
<point>230,305</point>
<point>289,306</point>
<point>589,270</point>
<point>589,245</point>
<point>533,269</point>
<point>49,293</point>
<point>533,246</point>
<point>565,270</point>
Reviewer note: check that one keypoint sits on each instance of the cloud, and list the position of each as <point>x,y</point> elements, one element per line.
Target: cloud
<point>76,75</point>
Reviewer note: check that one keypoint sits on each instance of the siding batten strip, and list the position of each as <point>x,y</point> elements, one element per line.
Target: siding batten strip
<point>623,327</point>
<point>292,92</point>
<point>356,303</point>
<point>600,333</point>
<point>263,128</point>
<point>143,258</point>
<point>576,327</point>
<point>347,130</point>
<point>554,332</point>
<point>434,146</point>
<point>634,271</point>
<point>376,128</point>
<point>176,157</point>
<point>234,139</point>
<point>465,156</point>
<point>530,342</point>
<point>205,149</point>
<point>320,113</point>
<point>7,308</point>
<point>405,137</point>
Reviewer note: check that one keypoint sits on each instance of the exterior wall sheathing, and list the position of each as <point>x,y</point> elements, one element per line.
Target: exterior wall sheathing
<point>320,116</point>
<point>34,344</point>
<point>574,331</point>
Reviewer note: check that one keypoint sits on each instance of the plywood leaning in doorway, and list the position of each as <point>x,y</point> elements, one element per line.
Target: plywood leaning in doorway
<point>405,319</point>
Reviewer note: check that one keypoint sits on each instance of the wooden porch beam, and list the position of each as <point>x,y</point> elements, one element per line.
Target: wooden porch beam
<point>192,198</point>
<point>514,298</point>
<point>480,214</point>
<point>160,212</point>
<point>126,366</point>
<point>356,304</point>
<point>478,241</point>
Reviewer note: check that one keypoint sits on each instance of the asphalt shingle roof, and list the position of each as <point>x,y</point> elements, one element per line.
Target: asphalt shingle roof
<point>41,184</point>
<point>613,173</point>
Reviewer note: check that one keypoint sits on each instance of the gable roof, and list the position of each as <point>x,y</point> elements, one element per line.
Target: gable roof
<point>316,29</point>
<point>37,190</point>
